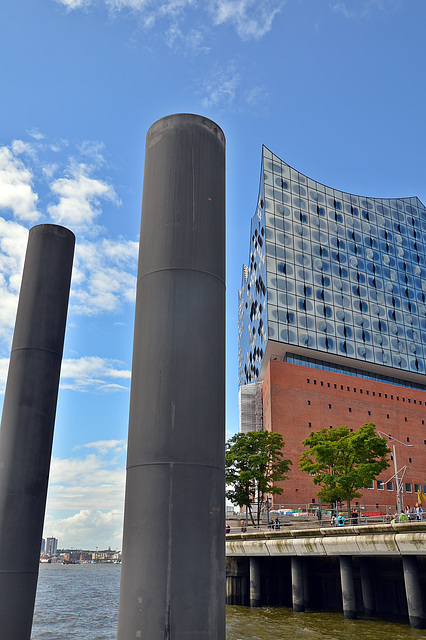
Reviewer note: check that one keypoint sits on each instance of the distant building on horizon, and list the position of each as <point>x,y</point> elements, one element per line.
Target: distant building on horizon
<point>51,546</point>
<point>332,323</point>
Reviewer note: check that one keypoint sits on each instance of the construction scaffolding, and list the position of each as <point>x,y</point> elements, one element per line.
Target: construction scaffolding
<point>250,407</point>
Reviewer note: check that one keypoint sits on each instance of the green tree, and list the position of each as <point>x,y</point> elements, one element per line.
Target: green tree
<point>254,462</point>
<point>343,461</point>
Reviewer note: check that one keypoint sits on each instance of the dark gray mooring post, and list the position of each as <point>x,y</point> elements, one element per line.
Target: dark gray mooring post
<point>348,587</point>
<point>173,573</point>
<point>413,592</point>
<point>255,581</point>
<point>28,419</point>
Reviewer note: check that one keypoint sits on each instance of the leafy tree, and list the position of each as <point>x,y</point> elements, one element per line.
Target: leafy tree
<point>254,461</point>
<point>343,461</point>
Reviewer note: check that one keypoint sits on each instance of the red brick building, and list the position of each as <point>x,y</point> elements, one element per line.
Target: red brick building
<point>298,400</point>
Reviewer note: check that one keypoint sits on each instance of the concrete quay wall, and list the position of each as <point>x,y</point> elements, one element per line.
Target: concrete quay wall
<point>374,570</point>
<point>363,540</point>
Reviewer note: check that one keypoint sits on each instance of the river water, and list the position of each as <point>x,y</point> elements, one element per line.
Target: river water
<point>81,602</point>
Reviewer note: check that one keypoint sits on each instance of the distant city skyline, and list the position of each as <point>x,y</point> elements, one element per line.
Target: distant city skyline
<point>334,88</point>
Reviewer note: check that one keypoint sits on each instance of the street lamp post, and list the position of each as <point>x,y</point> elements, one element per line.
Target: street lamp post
<point>398,482</point>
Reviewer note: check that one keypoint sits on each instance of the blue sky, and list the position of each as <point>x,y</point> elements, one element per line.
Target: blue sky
<point>334,88</point>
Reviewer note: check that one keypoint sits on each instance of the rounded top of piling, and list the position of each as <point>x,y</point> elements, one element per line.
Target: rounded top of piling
<point>52,229</point>
<point>178,120</point>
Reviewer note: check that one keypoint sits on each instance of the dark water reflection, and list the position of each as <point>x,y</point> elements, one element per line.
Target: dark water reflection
<point>244,623</point>
<point>81,603</point>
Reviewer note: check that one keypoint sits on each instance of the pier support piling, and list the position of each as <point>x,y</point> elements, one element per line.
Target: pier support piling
<point>413,591</point>
<point>348,587</point>
<point>255,581</point>
<point>28,418</point>
<point>297,588</point>
<point>173,573</point>
<point>367,587</point>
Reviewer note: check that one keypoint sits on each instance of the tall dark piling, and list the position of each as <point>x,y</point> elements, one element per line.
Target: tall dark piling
<point>173,574</point>
<point>28,418</point>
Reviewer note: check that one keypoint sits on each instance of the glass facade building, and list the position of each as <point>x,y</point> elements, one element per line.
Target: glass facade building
<point>333,278</point>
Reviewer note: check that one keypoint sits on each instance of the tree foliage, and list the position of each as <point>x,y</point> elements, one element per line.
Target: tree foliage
<point>343,461</point>
<point>254,462</point>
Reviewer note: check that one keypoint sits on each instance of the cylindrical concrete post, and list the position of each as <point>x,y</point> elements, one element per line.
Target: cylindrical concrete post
<point>28,420</point>
<point>254,581</point>
<point>413,592</point>
<point>298,595</point>
<point>173,573</point>
<point>348,587</point>
<point>367,587</point>
<point>306,584</point>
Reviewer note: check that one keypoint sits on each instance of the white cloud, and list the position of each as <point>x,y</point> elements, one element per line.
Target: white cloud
<point>352,9</point>
<point>221,87</point>
<point>93,373</point>
<point>4,365</point>
<point>91,489</point>
<point>104,276</point>
<point>104,446</point>
<point>16,186</point>
<point>13,243</point>
<point>251,19</point>
<point>79,197</point>
<point>87,529</point>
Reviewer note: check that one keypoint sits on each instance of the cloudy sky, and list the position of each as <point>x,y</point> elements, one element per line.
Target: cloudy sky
<point>336,88</point>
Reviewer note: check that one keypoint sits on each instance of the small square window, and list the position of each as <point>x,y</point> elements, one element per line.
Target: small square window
<point>423,421</point>
<point>389,485</point>
<point>329,406</point>
<point>360,390</point>
<point>309,424</point>
<point>348,388</point>
<point>307,380</point>
<point>350,410</point>
<point>354,389</point>
<point>391,397</point>
<point>417,487</point>
<point>369,413</point>
<point>405,419</point>
<point>380,485</point>
<point>386,395</point>
<point>409,459</point>
<point>335,386</point>
<point>341,387</point>
<point>408,487</point>
<point>367,392</point>
<point>408,439</point>
<point>374,393</point>
<point>380,395</point>
<point>309,402</point>
<point>371,485</point>
<point>315,381</point>
<point>322,384</point>
<point>328,384</point>
<point>387,416</point>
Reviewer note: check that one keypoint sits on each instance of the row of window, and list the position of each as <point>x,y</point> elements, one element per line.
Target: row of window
<point>367,392</point>
<point>380,485</point>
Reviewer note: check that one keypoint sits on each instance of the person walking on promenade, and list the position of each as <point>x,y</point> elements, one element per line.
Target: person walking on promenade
<point>419,511</point>
<point>403,517</point>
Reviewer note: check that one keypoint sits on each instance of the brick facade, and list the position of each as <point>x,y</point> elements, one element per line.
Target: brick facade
<point>298,400</point>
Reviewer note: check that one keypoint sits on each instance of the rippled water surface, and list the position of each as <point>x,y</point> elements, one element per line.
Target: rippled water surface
<point>81,601</point>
